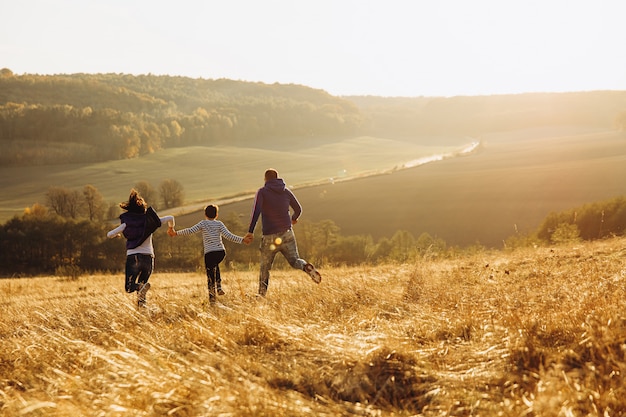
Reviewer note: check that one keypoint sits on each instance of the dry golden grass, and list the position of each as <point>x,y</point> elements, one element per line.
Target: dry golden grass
<point>532,332</point>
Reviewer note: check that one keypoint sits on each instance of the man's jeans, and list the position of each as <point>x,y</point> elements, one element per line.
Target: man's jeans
<point>284,243</point>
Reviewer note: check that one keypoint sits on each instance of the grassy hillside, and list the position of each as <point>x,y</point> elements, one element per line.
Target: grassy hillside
<point>508,186</point>
<point>212,173</point>
<point>532,332</point>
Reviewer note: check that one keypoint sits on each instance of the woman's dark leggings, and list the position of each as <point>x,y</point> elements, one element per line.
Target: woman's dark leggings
<point>212,262</point>
<point>138,270</point>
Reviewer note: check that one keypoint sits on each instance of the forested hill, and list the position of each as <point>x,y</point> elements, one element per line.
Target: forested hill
<point>95,117</point>
<point>53,119</point>
<point>477,115</point>
<point>155,94</point>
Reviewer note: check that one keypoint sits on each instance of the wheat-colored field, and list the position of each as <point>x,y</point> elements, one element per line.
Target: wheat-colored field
<point>538,331</point>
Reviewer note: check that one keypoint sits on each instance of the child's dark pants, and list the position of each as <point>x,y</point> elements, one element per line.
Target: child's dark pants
<point>212,262</point>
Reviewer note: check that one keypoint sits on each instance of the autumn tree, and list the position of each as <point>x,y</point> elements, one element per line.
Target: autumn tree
<point>36,210</point>
<point>565,233</point>
<point>64,202</point>
<point>148,192</point>
<point>94,203</point>
<point>113,210</point>
<point>171,193</point>
<point>403,246</point>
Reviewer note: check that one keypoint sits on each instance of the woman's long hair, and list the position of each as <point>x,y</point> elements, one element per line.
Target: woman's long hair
<point>135,203</point>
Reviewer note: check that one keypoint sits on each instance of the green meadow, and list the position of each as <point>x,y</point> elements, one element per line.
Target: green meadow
<point>214,173</point>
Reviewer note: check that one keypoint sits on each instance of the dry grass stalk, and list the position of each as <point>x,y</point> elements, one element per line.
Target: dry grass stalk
<point>531,332</point>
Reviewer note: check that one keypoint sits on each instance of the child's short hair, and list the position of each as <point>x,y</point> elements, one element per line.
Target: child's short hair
<point>211,211</point>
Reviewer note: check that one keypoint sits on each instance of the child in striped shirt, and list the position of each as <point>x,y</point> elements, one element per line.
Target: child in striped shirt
<point>214,251</point>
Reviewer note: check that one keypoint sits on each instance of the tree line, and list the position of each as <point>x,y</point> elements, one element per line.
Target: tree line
<point>592,221</point>
<point>43,242</point>
<point>90,118</point>
<point>67,236</point>
<point>46,241</point>
<point>89,203</point>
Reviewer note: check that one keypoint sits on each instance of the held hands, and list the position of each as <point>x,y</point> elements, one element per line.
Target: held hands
<point>171,231</point>
<point>248,238</point>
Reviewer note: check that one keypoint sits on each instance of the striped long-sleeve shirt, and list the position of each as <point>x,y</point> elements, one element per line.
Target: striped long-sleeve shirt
<point>212,232</point>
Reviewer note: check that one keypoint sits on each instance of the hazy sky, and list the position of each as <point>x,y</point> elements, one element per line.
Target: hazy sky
<point>375,47</point>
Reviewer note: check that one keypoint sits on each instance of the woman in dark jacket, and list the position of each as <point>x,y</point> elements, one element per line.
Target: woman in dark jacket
<point>138,222</point>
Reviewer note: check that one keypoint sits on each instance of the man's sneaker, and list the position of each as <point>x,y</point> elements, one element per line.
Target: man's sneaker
<point>141,294</point>
<point>315,276</point>
<point>220,291</point>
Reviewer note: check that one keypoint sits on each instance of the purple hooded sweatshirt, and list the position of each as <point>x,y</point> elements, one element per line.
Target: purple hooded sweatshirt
<point>272,201</point>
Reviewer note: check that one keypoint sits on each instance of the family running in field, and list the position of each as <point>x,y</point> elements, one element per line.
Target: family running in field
<point>272,203</point>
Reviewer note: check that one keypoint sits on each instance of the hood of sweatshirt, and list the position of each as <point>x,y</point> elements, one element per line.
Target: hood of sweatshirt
<point>277,185</point>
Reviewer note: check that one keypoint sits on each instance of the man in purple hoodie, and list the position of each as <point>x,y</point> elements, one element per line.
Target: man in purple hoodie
<point>272,203</point>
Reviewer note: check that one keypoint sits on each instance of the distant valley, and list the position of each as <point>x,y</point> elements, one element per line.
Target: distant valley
<point>507,187</point>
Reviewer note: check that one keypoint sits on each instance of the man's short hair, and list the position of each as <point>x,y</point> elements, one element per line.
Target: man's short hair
<point>271,174</point>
